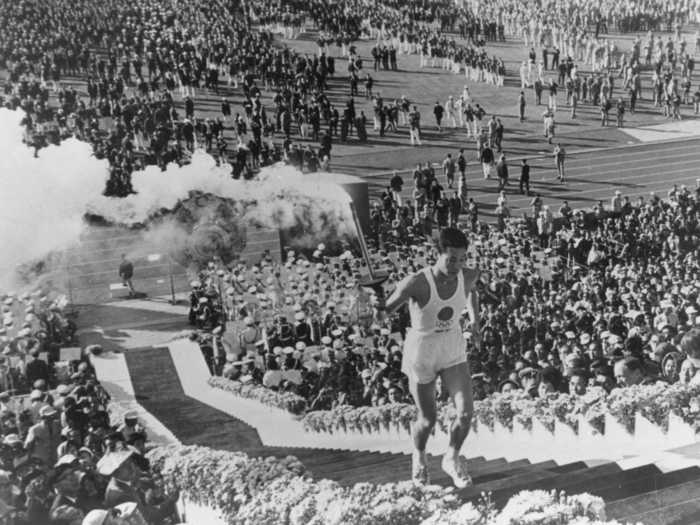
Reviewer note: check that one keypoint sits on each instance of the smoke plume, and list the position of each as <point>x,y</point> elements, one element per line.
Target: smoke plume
<point>43,200</point>
<point>183,209</point>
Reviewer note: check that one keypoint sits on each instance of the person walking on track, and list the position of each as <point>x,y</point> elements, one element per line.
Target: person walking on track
<point>559,157</point>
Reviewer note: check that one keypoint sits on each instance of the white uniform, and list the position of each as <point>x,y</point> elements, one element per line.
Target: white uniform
<point>435,342</point>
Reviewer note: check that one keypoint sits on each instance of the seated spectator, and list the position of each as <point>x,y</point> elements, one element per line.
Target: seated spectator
<point>690,345</point>
<point>630,371</point>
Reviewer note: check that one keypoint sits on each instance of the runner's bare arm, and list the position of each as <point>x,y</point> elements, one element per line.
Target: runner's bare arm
<point>403,292</point>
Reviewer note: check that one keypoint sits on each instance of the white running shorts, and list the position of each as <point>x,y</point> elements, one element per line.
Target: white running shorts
<point>425,355</point>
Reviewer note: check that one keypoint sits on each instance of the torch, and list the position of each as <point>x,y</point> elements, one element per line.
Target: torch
<point>374,280</point>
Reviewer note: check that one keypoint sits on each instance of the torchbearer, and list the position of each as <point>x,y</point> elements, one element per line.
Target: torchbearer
<point>435,346</point>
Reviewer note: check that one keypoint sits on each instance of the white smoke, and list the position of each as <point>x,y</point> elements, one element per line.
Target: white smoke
<point>274,197</point>
<point>42,200</point>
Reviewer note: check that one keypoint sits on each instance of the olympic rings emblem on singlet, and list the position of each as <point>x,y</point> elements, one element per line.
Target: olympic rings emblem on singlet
<point>444,318</point>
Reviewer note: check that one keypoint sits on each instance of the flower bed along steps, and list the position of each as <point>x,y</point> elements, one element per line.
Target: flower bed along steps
<point>563,429</point>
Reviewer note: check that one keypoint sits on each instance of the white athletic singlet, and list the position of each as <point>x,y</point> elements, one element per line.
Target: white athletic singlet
<point>438,315</point>
<point>434,342</point>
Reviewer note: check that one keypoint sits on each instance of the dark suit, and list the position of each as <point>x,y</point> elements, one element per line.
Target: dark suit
<point>37,369</point>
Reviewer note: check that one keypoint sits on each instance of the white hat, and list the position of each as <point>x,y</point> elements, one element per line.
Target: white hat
<point>288,350</point>
<point>47,411</point>
<point>384,331</point>
<point>95,517</point>
<point>326,340</point>
<point>570,335</point>
<point>311,365</point>
<point>203,300</point>
<point>358,350</point>
<point>301,345</point>
<point>337,332</point>
<point>111,461</point>
<point>36,394</point>
<point>11,439</point>
<point>585,338</point>
<point>66,459</point>
<point>277,350</point>
<point>299,316</point>
<point>296,354</point>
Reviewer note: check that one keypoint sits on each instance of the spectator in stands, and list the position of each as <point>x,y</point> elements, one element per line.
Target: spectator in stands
<point>690,345</point>
<point>630,371</point>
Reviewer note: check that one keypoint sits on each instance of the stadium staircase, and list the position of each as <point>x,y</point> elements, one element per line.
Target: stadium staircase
<point>642,494</point>
<point>88,271</point>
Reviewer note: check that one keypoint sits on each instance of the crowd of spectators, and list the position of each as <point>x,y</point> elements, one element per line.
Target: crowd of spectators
<point>605,298</point>
<point>63,460</point>
<point>35,328</point>
<point>130,87</point>
<point>608,298</point>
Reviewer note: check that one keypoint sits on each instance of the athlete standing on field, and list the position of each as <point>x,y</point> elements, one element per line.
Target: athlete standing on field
<point>434,346</point>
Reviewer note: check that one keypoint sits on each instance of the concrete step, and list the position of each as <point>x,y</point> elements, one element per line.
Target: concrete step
<point>644,484</point>
<point>347,458</point>
<point>561,481</point>
<point>569,467</point>
<point>628,509</point>
<point>607,484</point>
<point>512,469</point>
<point>512,480</point>
<point>682,513</point>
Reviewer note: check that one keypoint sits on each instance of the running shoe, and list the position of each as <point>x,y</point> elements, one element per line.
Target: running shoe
<point>457,470</point>
<point>420,473</point>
